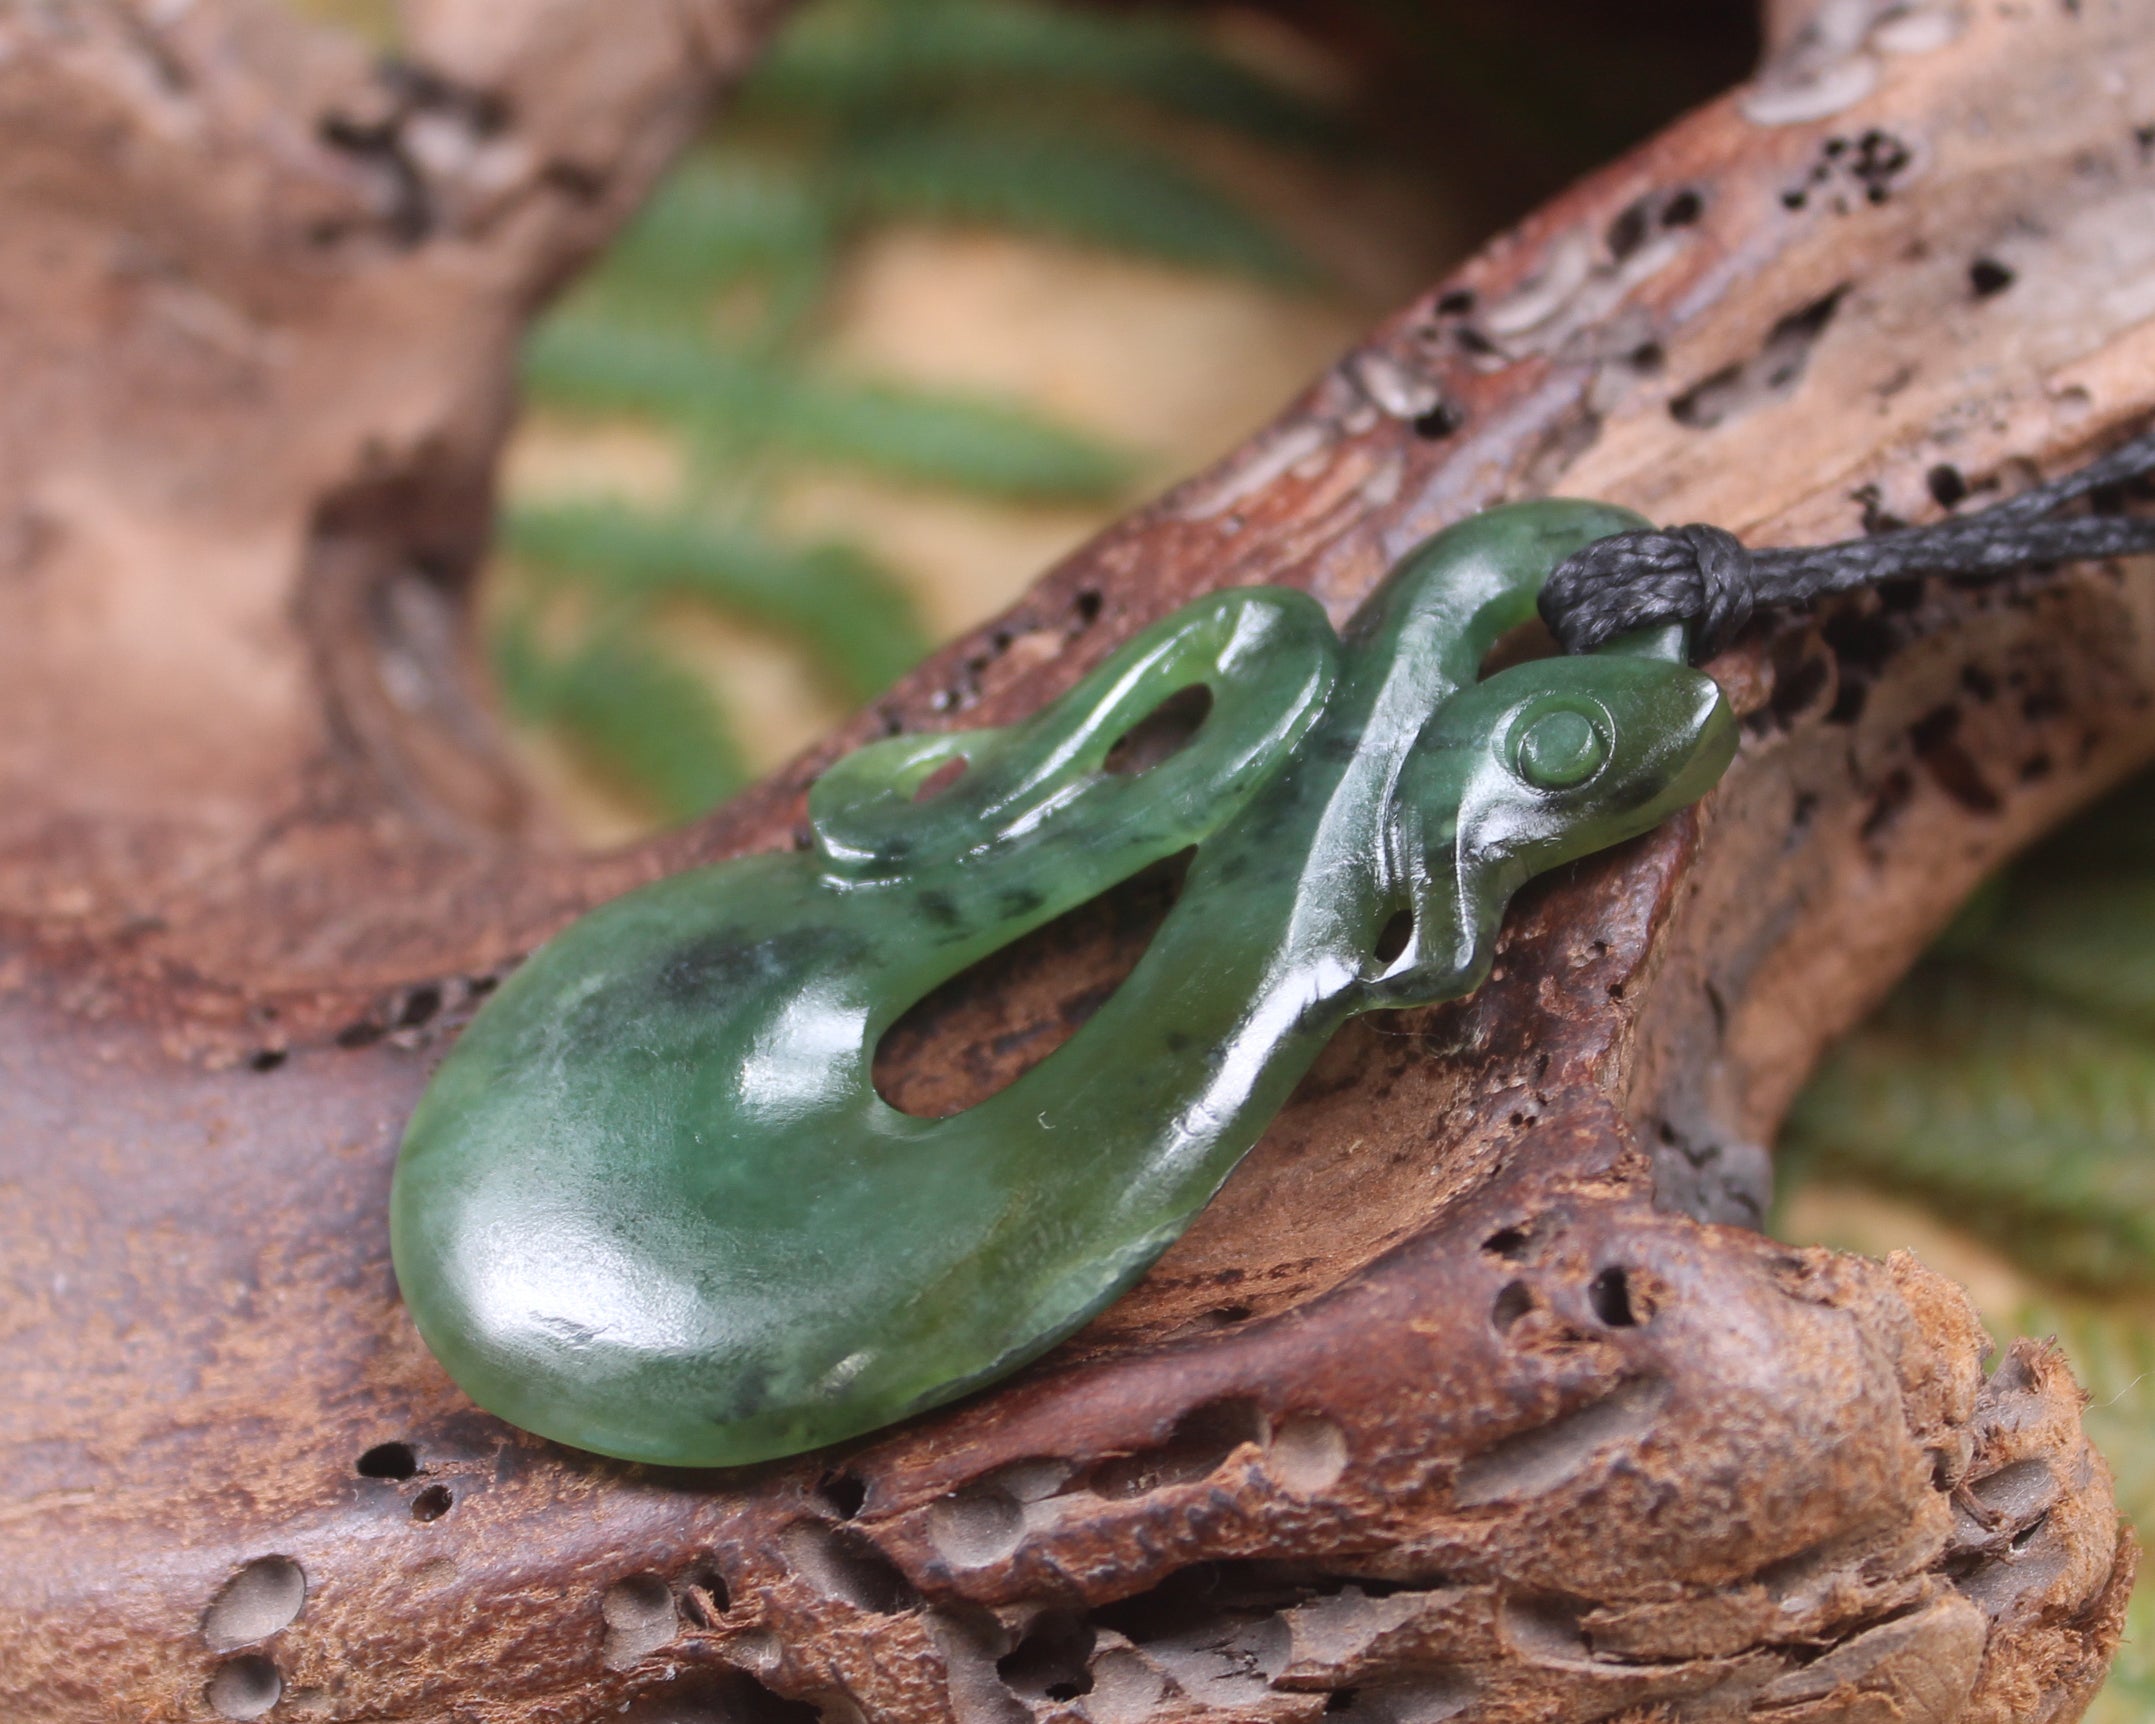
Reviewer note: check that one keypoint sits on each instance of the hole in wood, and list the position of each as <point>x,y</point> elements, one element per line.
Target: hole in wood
<point>244,1687</point>
<point>844,1492</point>
<point>1936,740</point>
<point>1609,1296</point>
<point>1200,1444</point>
<point>1308,1453</point>
<point>1513,1302</point>
<point>1547,1627</point>
<point>844,1564</point>
<point>1535,1461</point>
<point>705,1597</point>
<point>258,1601</point>
<point>1215,1627</point>
<point>1628,231</point>
<point>1771,374</point>
<point>1439,421</point>
<point>639,1615</point>
<point>2016,1492</point>
<point>1801,681</point>
<point>1947,485</point>
<point>388,1461</point>
<point>976,1526</point>
<point>1683,209</point>
<point>1509,1243</point>
<point>1052,1661</point>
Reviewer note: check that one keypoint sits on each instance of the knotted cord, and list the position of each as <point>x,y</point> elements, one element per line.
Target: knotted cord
<point>1709,578</point>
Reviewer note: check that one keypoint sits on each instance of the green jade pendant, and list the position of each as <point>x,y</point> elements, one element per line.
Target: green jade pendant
<point>652,1205</point>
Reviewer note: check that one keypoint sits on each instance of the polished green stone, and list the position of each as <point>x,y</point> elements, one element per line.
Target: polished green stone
<point>652,1205</point>
<point>1561,749</point>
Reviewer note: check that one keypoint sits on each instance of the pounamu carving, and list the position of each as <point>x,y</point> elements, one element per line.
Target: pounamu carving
<point>653,1205</point>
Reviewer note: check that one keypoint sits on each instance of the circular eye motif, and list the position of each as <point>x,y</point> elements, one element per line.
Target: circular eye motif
<point>1561,749</point>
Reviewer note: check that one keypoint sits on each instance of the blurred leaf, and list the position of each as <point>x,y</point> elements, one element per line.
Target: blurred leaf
<point>2024,1122</point>
<point>2092,947</point>
<point>716,216</point>
<point>853,58</point>
<point>1100,190</point>
<point>717,221</point>
<point>979,446</point>
<point>635,714</point>
<point>2010,1080</point>
<point>1006,112</point>
<point>853,615</point>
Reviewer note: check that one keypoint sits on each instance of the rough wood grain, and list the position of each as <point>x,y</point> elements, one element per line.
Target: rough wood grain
<point>1473,1397</point>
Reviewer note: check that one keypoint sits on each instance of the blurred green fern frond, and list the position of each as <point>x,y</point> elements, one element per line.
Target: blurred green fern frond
<point>719,219</point>
<point>745,405</point>
<point>1058,181</point>
<point>2026,1123</point>
<point>2010,1081</point>
<point>1012,114</point>
<point>850,58</point>
<point>831,595</point>
<point>2090,948</point>
<point>626,707</point>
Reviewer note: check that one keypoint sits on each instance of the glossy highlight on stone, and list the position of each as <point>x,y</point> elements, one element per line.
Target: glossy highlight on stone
<point>652,1205</point>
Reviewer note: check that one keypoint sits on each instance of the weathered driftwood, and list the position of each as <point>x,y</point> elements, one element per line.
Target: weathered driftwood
<point>1472,1397</point>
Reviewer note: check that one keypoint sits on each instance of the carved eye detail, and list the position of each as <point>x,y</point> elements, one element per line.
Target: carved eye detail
<point>1559,744</point>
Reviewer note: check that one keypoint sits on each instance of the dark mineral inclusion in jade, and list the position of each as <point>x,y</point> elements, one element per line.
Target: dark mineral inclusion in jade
<point>652,1204</point>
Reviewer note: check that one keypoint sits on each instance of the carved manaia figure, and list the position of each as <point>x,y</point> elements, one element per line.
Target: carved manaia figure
<point>652,1204</point>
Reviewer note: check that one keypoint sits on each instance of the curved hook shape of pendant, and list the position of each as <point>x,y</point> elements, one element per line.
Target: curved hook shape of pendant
<point>652,1205</point>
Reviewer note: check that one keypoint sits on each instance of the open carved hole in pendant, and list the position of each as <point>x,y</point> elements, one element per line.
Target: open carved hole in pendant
<point>942,778</point>
<point>1392,939</point>
<point>989,1025</point>
<point>1163,732</point>
<point>1529,640</point>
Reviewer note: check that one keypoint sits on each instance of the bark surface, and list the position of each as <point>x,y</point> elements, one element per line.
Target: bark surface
<point>1476,1395</point>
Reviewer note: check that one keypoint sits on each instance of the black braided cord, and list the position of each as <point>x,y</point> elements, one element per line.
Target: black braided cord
<point>1707,577</point>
